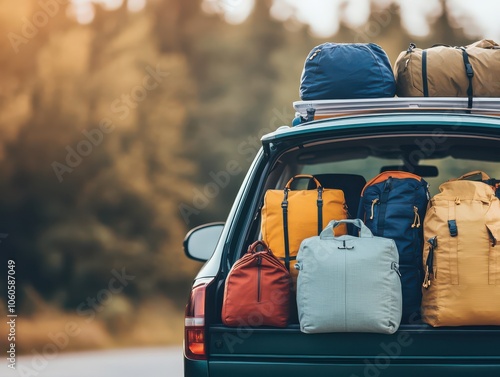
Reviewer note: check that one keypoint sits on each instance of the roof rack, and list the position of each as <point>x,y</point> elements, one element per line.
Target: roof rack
<point>321,109</point>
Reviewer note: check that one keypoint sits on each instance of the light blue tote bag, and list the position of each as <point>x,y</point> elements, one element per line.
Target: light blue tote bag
<point>347,283</point>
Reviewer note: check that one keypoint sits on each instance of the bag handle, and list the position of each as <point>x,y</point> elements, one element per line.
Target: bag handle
<point>329,232</point>
<point>302,176</point>
<point>484,176</point>
<point>486,44</point>
<point>252,249</point>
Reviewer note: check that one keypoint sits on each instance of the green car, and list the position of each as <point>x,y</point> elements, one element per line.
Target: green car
<point>353,141</point>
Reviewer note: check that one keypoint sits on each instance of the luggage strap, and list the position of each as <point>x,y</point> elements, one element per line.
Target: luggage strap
<point>429,263</point>
<point>468,70</point>
<point>319,204</point>
<point>470,74</point>
<point>284,206</point>
<point>424,74</point>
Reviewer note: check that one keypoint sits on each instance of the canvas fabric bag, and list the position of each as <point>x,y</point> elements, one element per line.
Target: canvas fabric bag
<point>446,71</point>
<point>257,286</point>
<point>462,255</point>
<point>347,283</point>
<point>289,216</point>
<point>393,205</point>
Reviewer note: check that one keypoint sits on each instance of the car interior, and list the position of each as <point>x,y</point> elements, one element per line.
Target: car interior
<point>435,159</point>
<point>349,164</point>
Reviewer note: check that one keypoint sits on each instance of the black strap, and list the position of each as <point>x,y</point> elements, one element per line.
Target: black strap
<point>470,74</point>
<point>284,206</point>
<point>492,238</point>
<point>430,257</point>
<point>319,203</point>
<point>495,183</point>
<point>383,207</point>
<point>429,263</point>
<point>491,181</point>
<point>424,73</point>
<point>310,111</point>
<point>452,226</point>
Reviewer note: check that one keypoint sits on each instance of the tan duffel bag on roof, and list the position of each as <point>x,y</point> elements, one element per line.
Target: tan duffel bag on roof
<point>446,71</point>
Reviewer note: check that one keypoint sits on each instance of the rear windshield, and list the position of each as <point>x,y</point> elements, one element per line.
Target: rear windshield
<point>447,168</point>
<point>436,160</point>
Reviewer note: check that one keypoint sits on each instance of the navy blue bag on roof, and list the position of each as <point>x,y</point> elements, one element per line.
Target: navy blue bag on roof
<point>347,70</point>
<point>393,205</point>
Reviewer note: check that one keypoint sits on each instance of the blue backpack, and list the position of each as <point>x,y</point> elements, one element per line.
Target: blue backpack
<point>393,205</point>
<point>347,70</point>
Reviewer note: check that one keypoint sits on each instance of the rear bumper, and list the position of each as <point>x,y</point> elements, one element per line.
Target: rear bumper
<point>195,368</point>
<point>414,350</point>
<point>375,368</point>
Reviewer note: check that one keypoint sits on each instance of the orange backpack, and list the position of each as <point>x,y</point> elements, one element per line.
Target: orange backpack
<point>462,255</point>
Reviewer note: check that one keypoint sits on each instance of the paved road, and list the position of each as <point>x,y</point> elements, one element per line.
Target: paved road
<point>141,362</point>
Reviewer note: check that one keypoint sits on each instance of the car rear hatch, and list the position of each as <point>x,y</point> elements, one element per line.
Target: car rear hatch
<point>414,350</point>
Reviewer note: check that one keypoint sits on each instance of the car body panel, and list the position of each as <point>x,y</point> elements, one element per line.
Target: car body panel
<point>416,349</point>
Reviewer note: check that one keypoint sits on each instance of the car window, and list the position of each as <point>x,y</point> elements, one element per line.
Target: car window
<point>369,167</point>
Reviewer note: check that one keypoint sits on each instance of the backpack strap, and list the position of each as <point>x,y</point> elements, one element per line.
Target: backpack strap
<point>429,263</point>
<point>384,197</point>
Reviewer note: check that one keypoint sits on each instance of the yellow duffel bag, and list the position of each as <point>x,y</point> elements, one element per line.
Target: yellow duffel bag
<point>462,256</point>
<point>290,216</point>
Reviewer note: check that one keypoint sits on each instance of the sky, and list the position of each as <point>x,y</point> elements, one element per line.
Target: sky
<point>480,17</point>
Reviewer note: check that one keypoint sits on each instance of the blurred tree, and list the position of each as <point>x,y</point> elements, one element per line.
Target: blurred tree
<point>110,129</point>
<point>236,72</point>
<point>91,180</point>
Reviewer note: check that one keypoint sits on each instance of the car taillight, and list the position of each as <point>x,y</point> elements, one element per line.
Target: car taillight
<point>194,322</point>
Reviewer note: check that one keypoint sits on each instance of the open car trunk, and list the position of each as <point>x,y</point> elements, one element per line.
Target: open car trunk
<point>415,349</point>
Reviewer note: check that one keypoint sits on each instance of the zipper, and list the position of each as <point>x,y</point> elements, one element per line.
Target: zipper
<point>259,263</point>
<point>416,218</point>
<point>374,201</point>
<point>315,53</point>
